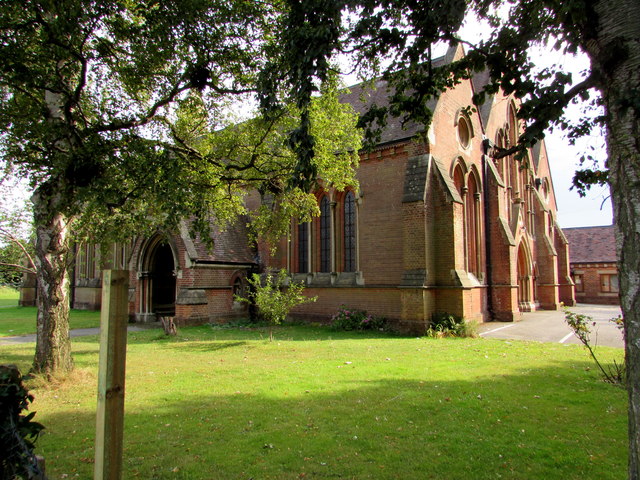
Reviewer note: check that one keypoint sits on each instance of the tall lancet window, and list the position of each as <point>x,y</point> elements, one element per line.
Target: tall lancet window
<point>349,232</point>
<point>303,247</point>
<point>325,235</point>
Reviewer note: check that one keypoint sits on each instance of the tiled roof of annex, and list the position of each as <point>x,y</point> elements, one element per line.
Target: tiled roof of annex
<point>591,244</point>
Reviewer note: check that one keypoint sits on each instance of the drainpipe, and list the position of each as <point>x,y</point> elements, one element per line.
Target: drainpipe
<point>487,145</point>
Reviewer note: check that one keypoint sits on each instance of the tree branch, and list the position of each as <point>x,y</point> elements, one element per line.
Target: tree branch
<point>19,243</point>
<point>146,118</point>
<point>19,267</point>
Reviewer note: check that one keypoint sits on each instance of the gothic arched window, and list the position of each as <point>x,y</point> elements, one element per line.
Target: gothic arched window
<point>472,205</point>
<point>349,232</point>
<point>303,247</point>
<point>325,235</point>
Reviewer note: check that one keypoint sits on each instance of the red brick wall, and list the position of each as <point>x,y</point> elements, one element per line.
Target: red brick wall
<point>381,176</point>
<point>376,301</point>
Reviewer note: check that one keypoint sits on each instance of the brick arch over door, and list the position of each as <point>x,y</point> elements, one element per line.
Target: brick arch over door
<point>157,267</point>
<point>524,269</point>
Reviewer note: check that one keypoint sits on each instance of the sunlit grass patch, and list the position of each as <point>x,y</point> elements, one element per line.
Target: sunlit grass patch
<point>226,404</point>
<point>22,320</point>
<point>8,296</point>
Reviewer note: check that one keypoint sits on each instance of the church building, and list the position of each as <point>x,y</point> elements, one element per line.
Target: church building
<point>438,225</point>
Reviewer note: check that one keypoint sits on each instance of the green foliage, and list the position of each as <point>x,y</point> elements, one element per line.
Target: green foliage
<point>449,325</point>
<point>352,319</point>
<point>275,296</point>
<point>10,254</point>
<point>18,432</point>
<point>142,90</point>
<point>264,160</point>
<point>580,324</point>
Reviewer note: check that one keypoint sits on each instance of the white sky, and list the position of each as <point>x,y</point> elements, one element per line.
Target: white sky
<point>574,211</point>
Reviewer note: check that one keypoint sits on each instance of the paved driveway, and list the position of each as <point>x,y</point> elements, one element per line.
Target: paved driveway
<point>550,326</point>
<point>78,332</point>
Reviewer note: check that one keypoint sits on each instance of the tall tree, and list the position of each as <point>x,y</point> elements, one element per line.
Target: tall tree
<point>395,38</point>
<point>105,107</point>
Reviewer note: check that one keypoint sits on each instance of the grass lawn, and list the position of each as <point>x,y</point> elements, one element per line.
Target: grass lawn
<point>8,296</point>
<point>22,320</point>
<point>317,404</point>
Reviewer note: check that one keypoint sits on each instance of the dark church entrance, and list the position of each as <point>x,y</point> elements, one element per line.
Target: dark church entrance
<point>163,290</point>
<point>157,281</point>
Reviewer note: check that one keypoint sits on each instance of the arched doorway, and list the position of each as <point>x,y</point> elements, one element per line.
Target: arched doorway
<point>157,280</point>
<point>163,291</point>
<point>525,290</point>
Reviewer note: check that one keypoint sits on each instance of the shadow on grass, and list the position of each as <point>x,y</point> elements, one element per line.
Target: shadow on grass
<point>18,356</point>
<point>553,423</point>
<point>206,346</point>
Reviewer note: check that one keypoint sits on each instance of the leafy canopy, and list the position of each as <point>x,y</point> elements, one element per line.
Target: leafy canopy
<point>108,108</point>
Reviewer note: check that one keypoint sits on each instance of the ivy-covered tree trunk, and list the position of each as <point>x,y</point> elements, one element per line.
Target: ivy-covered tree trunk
<point>53,346</point>
<point>615,55</point>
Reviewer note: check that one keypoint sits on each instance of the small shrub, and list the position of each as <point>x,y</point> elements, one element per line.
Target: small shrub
<point>449,325</point>
<point>275,297</point>
<point>579,323</point>
<point>18,432</point>
<point>351,319</point>
<point>468,329</point>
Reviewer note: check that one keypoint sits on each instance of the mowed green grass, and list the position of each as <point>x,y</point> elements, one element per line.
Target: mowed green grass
<point>16,320</point>
<point>9,296</point>
<point>317,404</point>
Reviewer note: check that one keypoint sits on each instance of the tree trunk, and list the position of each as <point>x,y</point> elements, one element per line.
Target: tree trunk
<point>53,346</point>
<point>615,54</point>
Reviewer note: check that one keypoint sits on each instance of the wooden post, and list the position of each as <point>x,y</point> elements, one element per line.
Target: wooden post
<point>113,349</point>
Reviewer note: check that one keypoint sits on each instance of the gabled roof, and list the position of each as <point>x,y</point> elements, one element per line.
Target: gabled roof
<point>535,151</point>
<point>230,245</point>
<point>479,81</point>
<point>591,244</point>
<point>363,95</point>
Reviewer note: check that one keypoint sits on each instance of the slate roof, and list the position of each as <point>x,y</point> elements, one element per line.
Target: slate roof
<point>479,81</point>
<point>363,95</point>
<point>591,244</point>
<point>230,245</point>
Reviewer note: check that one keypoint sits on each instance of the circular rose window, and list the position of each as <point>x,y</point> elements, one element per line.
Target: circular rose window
<point>464,132</point>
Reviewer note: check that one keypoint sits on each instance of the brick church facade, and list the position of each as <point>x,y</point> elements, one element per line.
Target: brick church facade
<point>438,225</point>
